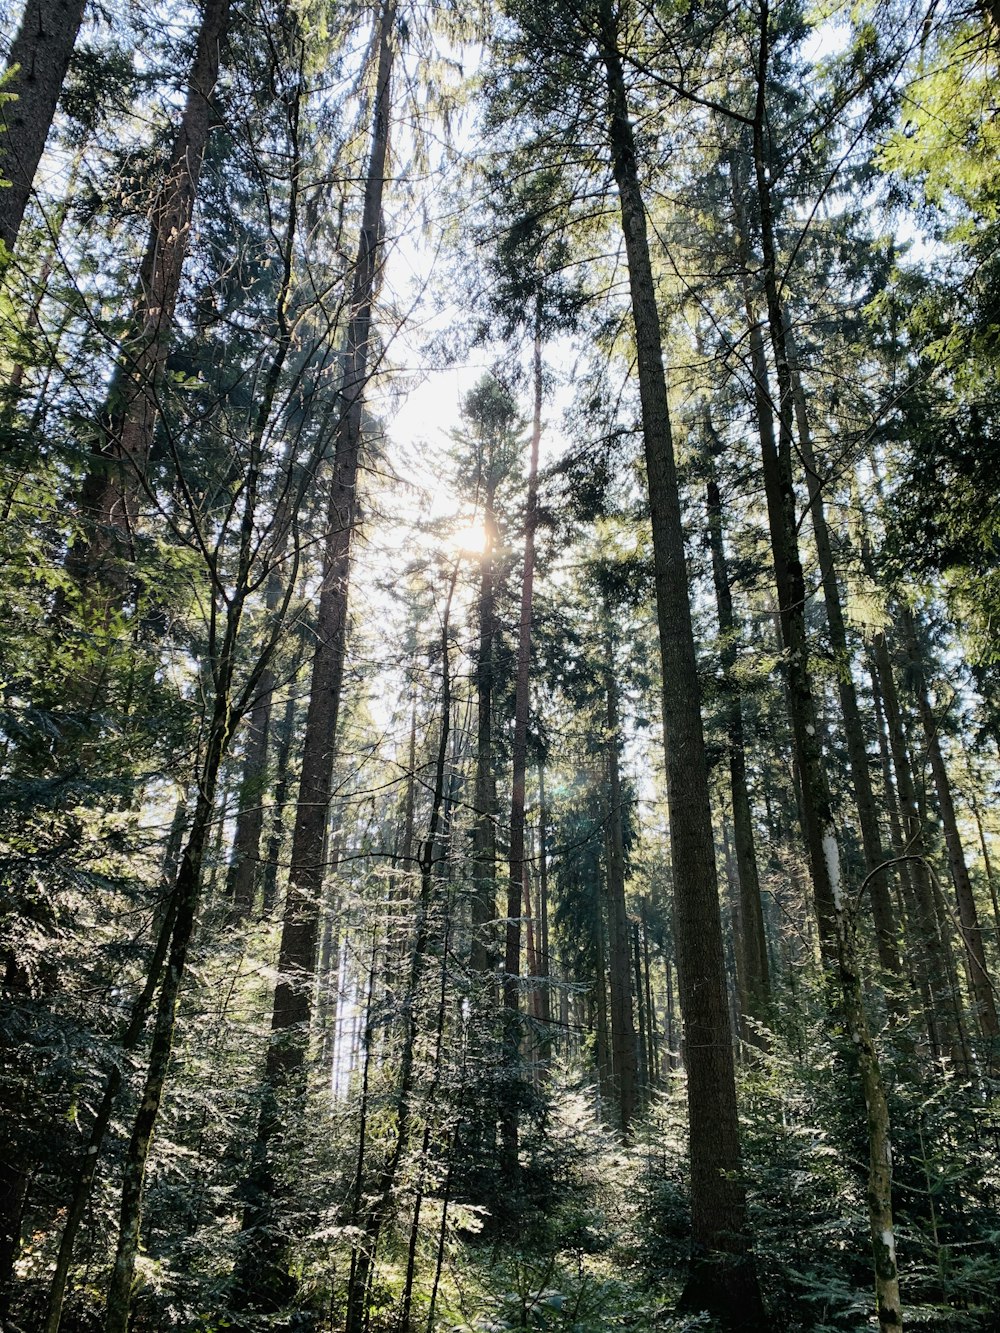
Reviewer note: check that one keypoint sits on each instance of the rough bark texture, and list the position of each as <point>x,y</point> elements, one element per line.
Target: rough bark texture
<point>301,918</point>
<point>779,490</point>
<point>722,1276</point>
<point>108,493</point>
<point>41,51</point>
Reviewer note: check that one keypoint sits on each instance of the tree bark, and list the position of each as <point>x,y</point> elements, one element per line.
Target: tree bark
<point>623,1048</point>
<point>260,1270</point>
<point>857,753</point>
<point>519,752</point>
<point>944,1036</point>
<point>188,896</point>
<point>835,912</point>
<point>755,978</point>
<point>41,53</point>
<point>722,1276</point>
<point>483,957</point>
<point>108,493</point>
<point>972,935</point>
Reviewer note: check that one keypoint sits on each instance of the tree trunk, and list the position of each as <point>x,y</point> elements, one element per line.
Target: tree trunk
<point>301,918</point>
<point>484,949</point>
<point>722,1276</point>
<point>835,911</point>
<point>857,753</point>
<point>815,807</point>
<point>755,978</point>
<point>108,492</point>
<point>283,768</point>
<point>102,1118</point>
<point>619,970</point>
<point>376,1215</point>
<point>41,51</point>
<point>545,1005</point>
<point>259,1274</point>
<point>972,935</point>
<point>519,751</point>
<point>944,1036</point>
<point>188,896</point>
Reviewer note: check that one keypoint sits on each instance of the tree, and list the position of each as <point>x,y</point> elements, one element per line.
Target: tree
<point>36,68</point>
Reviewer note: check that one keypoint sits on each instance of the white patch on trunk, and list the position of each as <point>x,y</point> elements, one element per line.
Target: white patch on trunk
<point>889,1241</point>
<point>832,858</point>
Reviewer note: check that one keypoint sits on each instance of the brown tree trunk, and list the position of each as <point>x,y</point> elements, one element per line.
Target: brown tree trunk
<point>377,1213</point>
<point>722,1276</point>
<point>108,492</point>
<point>261,1272</point>
<point>857,753</point>
<point>519,750</point>
<point>484,950</point>
<point>283,770</point>
<point>41,51</point>
<point>545,998</point>
<point>755,978</point>
<point>187,895</point>
<point>835,911</point>
<point>972,935</point>
<point>944,1036</point>
<point>619,970</point>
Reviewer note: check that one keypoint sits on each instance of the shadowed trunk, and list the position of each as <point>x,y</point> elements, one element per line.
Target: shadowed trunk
<point>722,1276</point>
<point>41,51</point>
<point>109,491</point>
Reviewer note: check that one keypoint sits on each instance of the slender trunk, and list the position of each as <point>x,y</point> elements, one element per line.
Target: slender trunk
<point>857,753</point>
<point>283,768</point>
<point>188,897</point>
<point>376,1215</point>
<point>406,1302</point>
<point>484,948</point>
<point>544,971</point>
<point>622,1028</point>
<point>977,815</point>
<point>756,979</point>
<point>972,936</point>
<point>108,493</point>
<point>102,1118</point>
<point>722,1275</point>
<point>909,909</point>
<point>641,1046</point>
<point>530,951</point>
<point>944,1036</point>
<point>815,806</point>
<point>652,1034</point>
<point>41,52</point>
<point>519,750</point>
<point>602,1046</point>
<point>300,924</point>
<point>834,910</point>
<point>244,866</point>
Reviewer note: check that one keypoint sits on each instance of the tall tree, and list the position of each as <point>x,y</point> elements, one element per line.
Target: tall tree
<point>36,68</point>
<point>262,1273</point>
<point>109,490</point>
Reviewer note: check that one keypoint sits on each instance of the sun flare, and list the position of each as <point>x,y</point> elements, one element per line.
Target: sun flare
<point>471,539</point>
